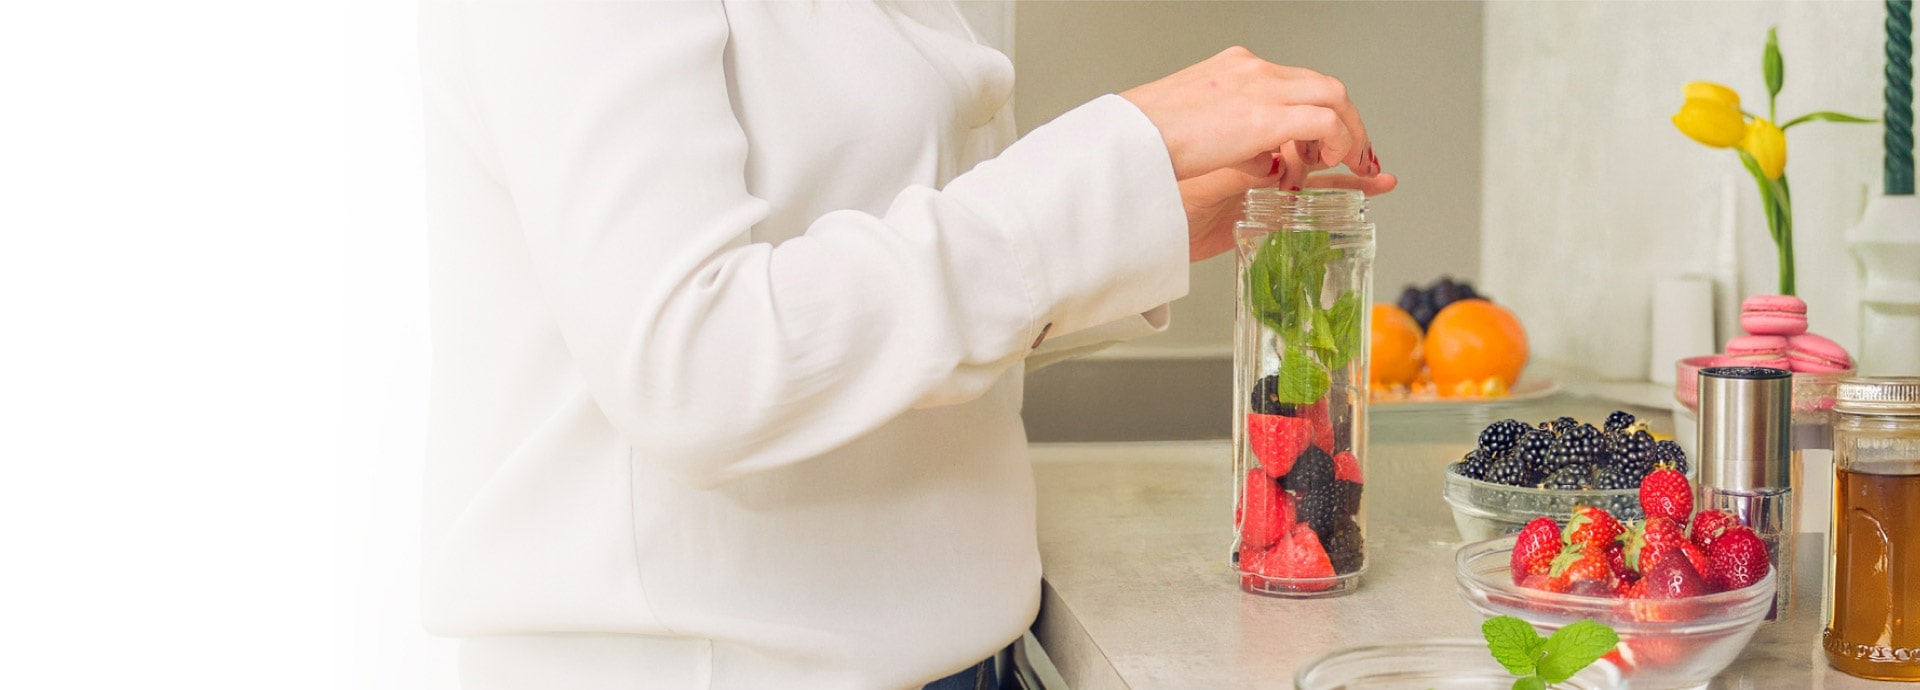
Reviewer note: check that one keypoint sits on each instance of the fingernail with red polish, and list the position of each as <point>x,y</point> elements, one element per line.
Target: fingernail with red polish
<point>1294,188</point>
<point>1276,167</point>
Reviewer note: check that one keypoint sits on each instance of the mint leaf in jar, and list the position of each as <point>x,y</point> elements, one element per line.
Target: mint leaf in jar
<point>1303,381</point>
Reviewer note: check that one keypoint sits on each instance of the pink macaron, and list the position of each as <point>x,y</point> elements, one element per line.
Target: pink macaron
<point>1814,354</point>
<point>1759,351</point>
<point>1773,315</point>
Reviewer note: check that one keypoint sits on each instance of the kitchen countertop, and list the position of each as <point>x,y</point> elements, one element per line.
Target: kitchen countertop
<point>1139,593</point>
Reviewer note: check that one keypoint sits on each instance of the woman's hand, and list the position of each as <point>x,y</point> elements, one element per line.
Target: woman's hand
<point>1234,122</point>
<point>1213,202</point>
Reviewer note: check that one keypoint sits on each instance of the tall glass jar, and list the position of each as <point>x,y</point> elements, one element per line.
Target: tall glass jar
<point>1300,389</point>
<point>1873,554</point>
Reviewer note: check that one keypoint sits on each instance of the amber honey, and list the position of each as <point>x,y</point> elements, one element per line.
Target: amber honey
<point>1873,624</point>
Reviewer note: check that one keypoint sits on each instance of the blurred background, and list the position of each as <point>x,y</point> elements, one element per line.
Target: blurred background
<point>1532,141</point>
<point>1536,159</point>
<point>217,388</point>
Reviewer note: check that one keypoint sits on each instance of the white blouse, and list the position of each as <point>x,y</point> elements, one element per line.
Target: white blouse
<point>731,306</point>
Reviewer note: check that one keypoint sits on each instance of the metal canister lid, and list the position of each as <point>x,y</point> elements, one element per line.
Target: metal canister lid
<point>1745,421</point>
<point>1878,395</point>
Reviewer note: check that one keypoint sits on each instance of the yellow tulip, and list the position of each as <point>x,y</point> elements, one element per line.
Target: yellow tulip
<point>1713,92</point>
<point>1768,146</point>
<point>1710,121</point>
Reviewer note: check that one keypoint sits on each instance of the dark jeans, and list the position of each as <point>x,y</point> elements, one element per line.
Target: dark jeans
<point>982,676</point>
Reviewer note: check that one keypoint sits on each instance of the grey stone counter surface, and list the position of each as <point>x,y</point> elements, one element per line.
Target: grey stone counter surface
<point>1139,593</point>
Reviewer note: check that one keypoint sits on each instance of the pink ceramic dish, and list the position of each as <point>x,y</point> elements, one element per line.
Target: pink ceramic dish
<point>1814,354</point>
<point>1686,379</point>
<point>1759,351</point>
<point>1773,315</point>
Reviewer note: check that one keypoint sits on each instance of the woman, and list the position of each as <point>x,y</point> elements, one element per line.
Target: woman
<point>731,307</point>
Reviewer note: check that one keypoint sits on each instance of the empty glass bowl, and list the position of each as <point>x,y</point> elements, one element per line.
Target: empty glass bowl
<point>1437,664</point>
<point>1678,643</point>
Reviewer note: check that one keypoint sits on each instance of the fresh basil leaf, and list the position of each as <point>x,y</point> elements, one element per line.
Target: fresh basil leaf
<point>1302,380</point>
<point>1513,643</point>
<point>1574,647</point>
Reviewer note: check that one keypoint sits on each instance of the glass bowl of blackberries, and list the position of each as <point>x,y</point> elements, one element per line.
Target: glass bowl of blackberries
<point>1518,471</point>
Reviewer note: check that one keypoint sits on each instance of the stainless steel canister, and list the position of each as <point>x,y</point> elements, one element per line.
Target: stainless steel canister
<point>1746,418</point>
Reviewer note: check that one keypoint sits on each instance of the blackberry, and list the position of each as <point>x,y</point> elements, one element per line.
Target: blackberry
<point>1619,421</point>
<point>1668,453</point>
<point>1637,460</point>
<point>1616,477</point>
<point>1512,471</point>
<point>1538,439</point>
<point>1569,478</point>
<point>1613,450</point>
<point>1347,496</point>
<point>1312,471</point>
<point>1320,510</point>
<point>1537,462</point>
<point>1566,452</point>
<point>1562,425</point>
<point>1346,547</point>
<point>1266,398</point>
<point>1500,437</point>
<point>1474,465</point>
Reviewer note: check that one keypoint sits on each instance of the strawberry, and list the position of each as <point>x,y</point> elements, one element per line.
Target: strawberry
<point>1545,583</point>
<point>1277,440</point>
<point>1584,562</point>
<point>1347,467</point>
<point>1666,493</point>
<point>1738,559</point>
<point>1592,525</point>
<point>1297,554</point>
<point>1621,657</point>
<point>1321,423</point>
<point>1266,511</point>
<point>1535,548</point>
<point>1672,577</point>
<point>1656,535</point>
<point>1707,526</point>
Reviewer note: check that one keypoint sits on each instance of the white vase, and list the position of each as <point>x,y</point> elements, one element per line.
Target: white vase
<point>1887,243</point>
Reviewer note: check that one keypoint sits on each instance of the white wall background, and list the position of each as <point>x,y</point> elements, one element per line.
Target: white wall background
<point>1590,195</point>
<point>169,292</point>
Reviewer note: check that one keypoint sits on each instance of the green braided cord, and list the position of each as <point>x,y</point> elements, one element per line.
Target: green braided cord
<point>1899,119</point>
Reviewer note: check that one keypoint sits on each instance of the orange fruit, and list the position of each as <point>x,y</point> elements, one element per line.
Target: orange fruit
<point>1394,346</point>
<point>1472,341</point>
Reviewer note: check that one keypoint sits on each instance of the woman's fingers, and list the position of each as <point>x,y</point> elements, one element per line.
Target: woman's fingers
<point>1226,111</point>
<point>1312,88</point>
<point>1374,185</point>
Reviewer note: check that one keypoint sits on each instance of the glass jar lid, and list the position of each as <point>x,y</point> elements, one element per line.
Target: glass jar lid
<point>1879,395</point>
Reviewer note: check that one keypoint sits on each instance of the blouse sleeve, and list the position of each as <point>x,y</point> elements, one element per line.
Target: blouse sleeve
<point>610,126</point>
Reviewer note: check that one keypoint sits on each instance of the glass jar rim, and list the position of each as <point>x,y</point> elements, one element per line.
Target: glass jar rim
<point>1878,395</point>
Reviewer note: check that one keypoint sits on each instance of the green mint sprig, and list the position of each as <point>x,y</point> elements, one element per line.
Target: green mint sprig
<point>1283,288</point>
<point>1542,661</point>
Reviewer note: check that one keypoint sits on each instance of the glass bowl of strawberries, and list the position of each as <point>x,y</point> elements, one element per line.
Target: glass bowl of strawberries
<point>1684,592</point>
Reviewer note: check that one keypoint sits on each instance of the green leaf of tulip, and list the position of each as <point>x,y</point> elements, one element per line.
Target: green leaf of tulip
<point>1827,116</point>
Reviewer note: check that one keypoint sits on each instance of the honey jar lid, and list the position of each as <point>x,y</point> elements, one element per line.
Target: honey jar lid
<point>1878,395</point>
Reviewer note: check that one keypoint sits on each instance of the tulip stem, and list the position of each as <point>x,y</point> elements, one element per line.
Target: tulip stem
<point>1776,198</point>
